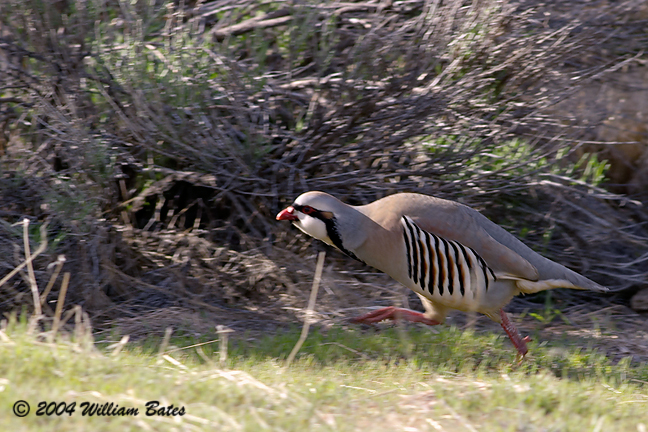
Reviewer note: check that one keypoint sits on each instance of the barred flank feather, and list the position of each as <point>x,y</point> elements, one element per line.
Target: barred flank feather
<point>443,268</point>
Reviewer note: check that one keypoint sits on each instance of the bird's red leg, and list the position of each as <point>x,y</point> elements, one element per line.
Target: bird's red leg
<point>393,313</point>
<point>518,341</point>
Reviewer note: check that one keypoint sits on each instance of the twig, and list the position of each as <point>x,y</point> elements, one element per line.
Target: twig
<point>41,248</point>
<point>222,338</point>
<point>59,304</point>
<point>173,361</point>
<point>119,345</point>
<point>165,341</point>
<point>365,356</point>
<point>59,264</point>
<point>79,331</point>
<point>272,19</point>
<point>309,309</point>
<point>196,345</point>
<point>30,270</point>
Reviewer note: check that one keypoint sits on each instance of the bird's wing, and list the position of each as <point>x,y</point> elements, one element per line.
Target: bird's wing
<point>464,229</point>
<point>501,250</point>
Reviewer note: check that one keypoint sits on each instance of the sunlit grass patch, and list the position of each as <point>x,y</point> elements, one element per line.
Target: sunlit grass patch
<point>341,380</point>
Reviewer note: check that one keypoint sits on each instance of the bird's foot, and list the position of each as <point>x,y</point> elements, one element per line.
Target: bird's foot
<point>520,356</point>
<point>393,313</point>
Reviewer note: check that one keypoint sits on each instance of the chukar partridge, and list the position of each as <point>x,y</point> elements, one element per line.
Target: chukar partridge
<point>452,256</point>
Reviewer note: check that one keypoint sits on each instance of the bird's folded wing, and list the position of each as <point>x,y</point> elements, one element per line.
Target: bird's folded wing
<point>462,227</point>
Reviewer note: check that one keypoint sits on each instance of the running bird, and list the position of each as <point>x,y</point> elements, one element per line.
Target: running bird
<point>452,256</point>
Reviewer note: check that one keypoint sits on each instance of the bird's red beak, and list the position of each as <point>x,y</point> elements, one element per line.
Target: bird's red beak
<point>287,214</point>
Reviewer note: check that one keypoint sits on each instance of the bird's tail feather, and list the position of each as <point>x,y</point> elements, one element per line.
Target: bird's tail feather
<point>560,276</point>
<point>530,287</point>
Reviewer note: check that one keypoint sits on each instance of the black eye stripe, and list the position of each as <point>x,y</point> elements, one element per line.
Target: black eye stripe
<point>305,209</point>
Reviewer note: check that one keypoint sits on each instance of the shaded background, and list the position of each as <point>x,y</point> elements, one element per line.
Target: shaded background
<point>158,140</point>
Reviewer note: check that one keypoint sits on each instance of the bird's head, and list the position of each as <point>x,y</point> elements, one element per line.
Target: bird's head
<point>314,214</point>
<point>326,218</point>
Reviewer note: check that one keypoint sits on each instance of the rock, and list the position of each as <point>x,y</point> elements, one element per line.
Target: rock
<point>639,301</point>
<point>615,111</point>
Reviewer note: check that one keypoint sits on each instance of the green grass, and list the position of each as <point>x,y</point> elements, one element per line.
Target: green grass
<point>397,379</point>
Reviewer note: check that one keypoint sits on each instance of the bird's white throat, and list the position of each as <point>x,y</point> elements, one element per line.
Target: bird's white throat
<point>313,227</point>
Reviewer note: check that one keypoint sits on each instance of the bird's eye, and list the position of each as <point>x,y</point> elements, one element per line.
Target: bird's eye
<point>307,210</point>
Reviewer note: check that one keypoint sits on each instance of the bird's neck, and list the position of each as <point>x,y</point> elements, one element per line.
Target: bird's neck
<point>383,248</point>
